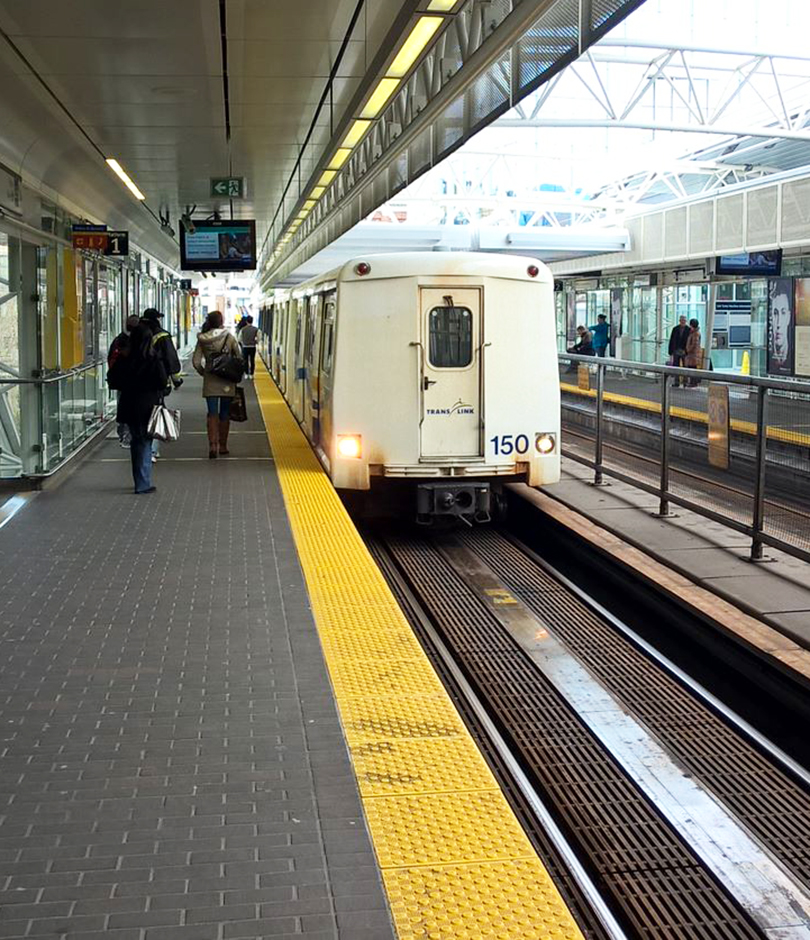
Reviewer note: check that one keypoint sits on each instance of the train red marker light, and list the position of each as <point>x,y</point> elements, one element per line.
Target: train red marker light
<point>532,270</point>
<point>362,268</point>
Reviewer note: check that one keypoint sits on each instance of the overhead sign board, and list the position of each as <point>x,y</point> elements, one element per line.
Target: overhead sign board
<point>88,236</point>
<point>229,187</point>
<point>97,238</point>
<point>117,244</point>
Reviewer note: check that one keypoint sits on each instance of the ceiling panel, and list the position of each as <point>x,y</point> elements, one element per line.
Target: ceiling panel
<point>145,81</point>
<point>98,19</point>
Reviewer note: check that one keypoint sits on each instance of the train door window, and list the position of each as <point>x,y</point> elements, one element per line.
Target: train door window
<point>328,336</point>
<point>451,337</point>
<point>298,333</point>
<point>312,327</point>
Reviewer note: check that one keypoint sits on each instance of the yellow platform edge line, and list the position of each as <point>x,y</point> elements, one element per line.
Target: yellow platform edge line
<point>454,859</point>
<point>687,414</point>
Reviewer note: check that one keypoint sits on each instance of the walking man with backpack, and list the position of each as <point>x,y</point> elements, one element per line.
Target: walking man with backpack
<point>247,339</point>
<point>163,346</point>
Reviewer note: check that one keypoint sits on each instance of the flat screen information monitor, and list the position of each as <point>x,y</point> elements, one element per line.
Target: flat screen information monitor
<point>751,264</point>
<point>219,246</point>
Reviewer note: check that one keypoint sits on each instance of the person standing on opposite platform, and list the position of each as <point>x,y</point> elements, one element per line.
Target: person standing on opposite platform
<point>677,347</point>
<point>247,340</point>
<point>694,351</point>
<point>218,392</point>
<point>120,347</point>
<point>600,335</point>
<point>141,378</point>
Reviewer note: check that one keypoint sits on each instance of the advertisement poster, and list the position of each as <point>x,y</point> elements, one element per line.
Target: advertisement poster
<point>616,295</point>
<point>781,331</point>
<point>802,331</point>
<point>719,426</point>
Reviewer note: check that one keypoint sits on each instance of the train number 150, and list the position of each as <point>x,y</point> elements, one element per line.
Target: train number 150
<point>506,444</point>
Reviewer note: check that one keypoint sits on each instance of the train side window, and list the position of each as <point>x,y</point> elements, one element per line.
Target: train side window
<point>451,340</point>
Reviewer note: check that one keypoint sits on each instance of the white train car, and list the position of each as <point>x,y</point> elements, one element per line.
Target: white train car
<point>437,368</point>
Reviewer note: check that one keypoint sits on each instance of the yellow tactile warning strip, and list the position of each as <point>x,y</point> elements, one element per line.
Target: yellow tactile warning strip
<point>455,861</point>
<point>688,414</point>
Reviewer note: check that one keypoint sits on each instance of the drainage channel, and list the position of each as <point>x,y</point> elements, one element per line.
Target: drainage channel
<point>639,851</point>
<point>768,798</point>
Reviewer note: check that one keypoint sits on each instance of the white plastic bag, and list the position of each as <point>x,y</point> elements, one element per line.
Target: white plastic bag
<point>164,423</point>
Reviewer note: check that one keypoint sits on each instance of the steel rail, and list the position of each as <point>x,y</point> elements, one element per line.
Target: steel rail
<point>664,663</point>
<point>716,484</point>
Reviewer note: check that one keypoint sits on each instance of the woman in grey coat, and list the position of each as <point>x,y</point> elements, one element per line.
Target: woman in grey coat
<point>218,392</point>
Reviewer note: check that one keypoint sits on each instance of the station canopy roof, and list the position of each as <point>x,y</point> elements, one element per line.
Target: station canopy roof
<point>680,99</point>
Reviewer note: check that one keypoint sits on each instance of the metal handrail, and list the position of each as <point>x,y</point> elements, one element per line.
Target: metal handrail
<point>751,381</point>
<point>756,529</point>
<point>78,370</point>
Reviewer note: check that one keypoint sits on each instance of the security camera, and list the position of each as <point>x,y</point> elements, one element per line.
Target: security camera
<point>165,227</point>
<point>188,225</point>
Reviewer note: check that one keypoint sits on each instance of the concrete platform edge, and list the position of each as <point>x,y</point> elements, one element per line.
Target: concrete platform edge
<point>762,638</point>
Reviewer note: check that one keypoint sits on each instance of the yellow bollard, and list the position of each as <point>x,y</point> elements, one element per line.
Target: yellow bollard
<point>746,364</point>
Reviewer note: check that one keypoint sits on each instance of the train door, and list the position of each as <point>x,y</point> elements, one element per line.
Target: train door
<point>296,379</point>
<point>312,349</point>
<point>451,372</point>
<point>325,382</point>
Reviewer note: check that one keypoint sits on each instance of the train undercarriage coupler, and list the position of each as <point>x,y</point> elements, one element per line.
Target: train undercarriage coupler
<point>467,501</point>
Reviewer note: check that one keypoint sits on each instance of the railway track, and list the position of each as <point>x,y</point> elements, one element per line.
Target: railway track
<point>782,519</point>
<point>563,687</point>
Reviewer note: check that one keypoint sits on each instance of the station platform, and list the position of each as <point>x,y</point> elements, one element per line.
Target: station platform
<point>715,557</point>
<point>217,722</point>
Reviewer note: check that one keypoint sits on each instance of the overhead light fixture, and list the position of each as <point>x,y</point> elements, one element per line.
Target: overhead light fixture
<point>340,156</point>
<point>309,204</point>
<point>379,97</point>
<point>119,171</point>
<point>441,6</point>
<point>356,131</point>
<point>420,36</point>
<point>326,177</point>
<point>317,192</point>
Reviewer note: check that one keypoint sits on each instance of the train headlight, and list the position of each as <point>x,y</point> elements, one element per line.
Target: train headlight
<point>350,445</point>
<point>545,443</point>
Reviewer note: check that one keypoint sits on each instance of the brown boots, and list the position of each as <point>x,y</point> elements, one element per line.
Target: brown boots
<point>217,436</point>
<point>213,436</point>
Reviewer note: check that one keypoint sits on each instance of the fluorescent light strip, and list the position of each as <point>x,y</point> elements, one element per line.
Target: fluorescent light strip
<point>119,171</point>
<point>326,177</point>
<point>379,97</point>
<point>356,132</point>
<point>317,192</point>
<point>339,157</point>
<point>441,6</point>
<point>419,37</point>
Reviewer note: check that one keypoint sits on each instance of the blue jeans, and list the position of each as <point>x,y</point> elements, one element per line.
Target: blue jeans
<point>140,450</point>
<point>222,404</point>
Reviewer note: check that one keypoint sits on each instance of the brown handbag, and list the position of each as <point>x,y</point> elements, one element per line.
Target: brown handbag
<point>238,405</point>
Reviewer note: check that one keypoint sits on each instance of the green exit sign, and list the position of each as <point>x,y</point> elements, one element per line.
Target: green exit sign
<point>229,187</point>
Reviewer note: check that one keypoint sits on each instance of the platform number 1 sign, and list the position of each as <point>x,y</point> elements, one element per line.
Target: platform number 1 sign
<point>117,244</point>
